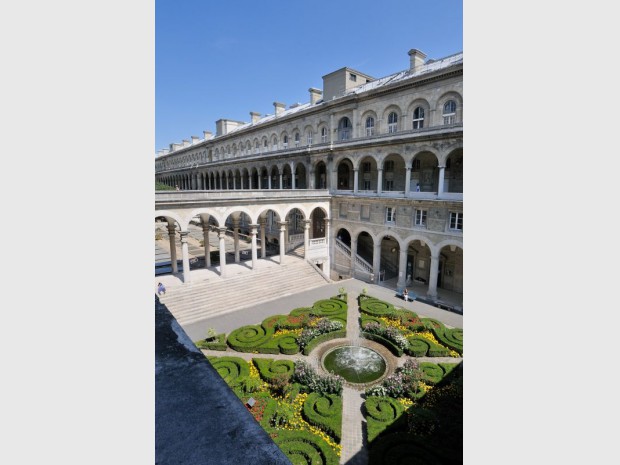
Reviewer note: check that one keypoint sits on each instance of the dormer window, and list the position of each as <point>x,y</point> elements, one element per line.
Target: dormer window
<point>352,77</point>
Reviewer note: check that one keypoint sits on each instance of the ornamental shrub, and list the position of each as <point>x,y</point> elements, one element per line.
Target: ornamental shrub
<point>326,384</point>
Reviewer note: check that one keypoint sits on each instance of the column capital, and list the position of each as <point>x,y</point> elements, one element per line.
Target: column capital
<point>184,235</point>
<point>282,223</point>
<point>171,229</point>
<point>254,228</point>
<point>307,224</point>
<point>221,232</point>
<point>441,167</point>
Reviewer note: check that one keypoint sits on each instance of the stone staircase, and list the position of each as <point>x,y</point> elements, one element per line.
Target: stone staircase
<point>203,299</point>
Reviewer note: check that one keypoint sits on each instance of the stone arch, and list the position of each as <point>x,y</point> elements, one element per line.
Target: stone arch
<point>425,107</point>
<point>392,108</point>
<point>321,180</point>
<point>425,171</point>
<point>345,176</point>
<point>453,173</point>
<point>394,173</point>
<point>441,101</point>
<point>301,175</point>
<point>365,129</point>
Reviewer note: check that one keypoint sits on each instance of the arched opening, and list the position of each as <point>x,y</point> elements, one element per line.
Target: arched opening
<point>344,129</point>
<point>300,177</point>
<point>424,173</point>
<point>344,237</point>
<point>453,174</point>
<point>390,251</point>
<point>345,175</point>
<point>317,218</point>
<point>320,174</point>
<point>367,179</point>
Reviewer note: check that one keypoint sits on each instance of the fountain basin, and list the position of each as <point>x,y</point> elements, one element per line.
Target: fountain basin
<point>356,364</point>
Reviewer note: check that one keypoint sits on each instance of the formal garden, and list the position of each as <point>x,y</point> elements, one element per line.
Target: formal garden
<point>413,411</point>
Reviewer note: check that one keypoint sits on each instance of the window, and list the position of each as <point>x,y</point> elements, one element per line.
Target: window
<point>418,118</point>
<point>256,147</point>
<point>389,165</point>
<point>309,138</point>
<point>366,185</point>
<point>366,167</point>
<point>296,139</point>
<point>392,123</point>
<point>265,143</point>
<point>420,217</point>
<point>456,221</point>
<point>323,134</point>
<point>344,129</point>
<point>352,77</point>
<point>449,112</point>
<point>274,144</point>
<point>370,126</point>
<point>416,165</point>
<point>285,141</point>
<point>389,185</point>
<point>390,214</point>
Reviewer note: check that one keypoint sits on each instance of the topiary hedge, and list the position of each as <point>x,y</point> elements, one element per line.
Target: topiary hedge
<point>324,411</point>
<point>382,412</point>
<point>268,368</point>
<point>322,338</point>
<point>302,447</point>
<point>375,307</point>
<point>451,337</point>
<point>218,342</point>
<point>383,341</point>
<point>233,370</point>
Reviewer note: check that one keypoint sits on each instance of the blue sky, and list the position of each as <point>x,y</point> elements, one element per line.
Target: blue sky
<point>222,59</point>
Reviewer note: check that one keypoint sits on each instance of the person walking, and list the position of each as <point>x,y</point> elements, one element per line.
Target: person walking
<point>406,295</point>
<point>161,289</point>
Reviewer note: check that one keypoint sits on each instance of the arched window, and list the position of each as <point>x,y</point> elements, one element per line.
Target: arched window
<point>344,129</point>
<point>309,137</point>
<point>285,141</point>
<point>370,126</point>
<point>274,143</point>
<point>256,147</point>
<point>449,112</point>
<point>418,118</point>
<point>324,134</point>
<point>392,123</point>
<point>296,139</point>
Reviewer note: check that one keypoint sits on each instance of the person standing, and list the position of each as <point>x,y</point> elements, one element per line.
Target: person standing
<point>406,295</point>
<point>161,289</point>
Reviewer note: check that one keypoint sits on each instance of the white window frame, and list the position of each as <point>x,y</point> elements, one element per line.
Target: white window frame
<point>370,126</point>
<point>392,126</point>
<point>309,138</point>
<point>296,139</point>
<point>456,221</point>
<point>418,123</point>
<point>285,141</point>
<point>420,217</point>
<point>390,214</point>
<point>324,134</point>
<point>449,114</point>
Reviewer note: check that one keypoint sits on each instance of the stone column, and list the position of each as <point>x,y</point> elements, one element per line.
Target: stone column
<point>355,123</point>
<point>408,181</point>
<point>353,255</point>
<point>280,179</point>
<point>221,234</point>
<point>432,279</point>
<point>173,248</point>
<point>263,244</point>
<point>331,128</point>
<point>306,238</point>
<point>236,238</point>
<point>208,181</point>
<point>311,183</point>
<point>330,247</point>
<point>268,180</point>
<point>185,252</point>
<point>355,179</point>
<point>292,176</point>
<point>253,231</point>
<point>402,269</point>
<point>282,225</point>
<point>234,182</point>
<point>376,261</point>
<point>379,180</point>
<point>207,245</point>
<point>442,174</point>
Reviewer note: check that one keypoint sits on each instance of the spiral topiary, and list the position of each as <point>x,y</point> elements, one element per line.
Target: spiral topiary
<point>376,307</point>
<point>381,412</point>
<point>303,448</point>
<point>268,368</point>
<point>418,347</point>
<point>325,412</point>
<point>432,373</point>
<point>248,338</point>
<point>233,370</point>
<point>331,308</point>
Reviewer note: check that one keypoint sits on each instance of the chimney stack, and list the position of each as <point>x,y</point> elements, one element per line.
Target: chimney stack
<point>315,95</point>
<point>195,139</point>
<point>208,134</point>
<point>416,59</point>
<point>254,116</point>
<point>279,107</point>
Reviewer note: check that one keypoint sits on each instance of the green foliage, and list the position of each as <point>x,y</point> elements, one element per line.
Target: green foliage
<point>325,412</point>
<point>302,447</point>
<point>233,370</point>
<point>270,369</point>
<point>160,186</point>
<point>218,342</point>
<point>322,338</point>
<point>382,412</point>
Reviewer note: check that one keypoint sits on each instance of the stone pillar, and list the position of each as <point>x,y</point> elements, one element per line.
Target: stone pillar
<point>268,180</point>
<point>173,248</point>
<point>376,261</point>
<point>253,231</point>
<point>280,179</point>
<point>207,245</point>
<point>355,179</point>
<point>311,183</point>
<point>432,279</point>
<point>236,238</point>
<point>306,238</point>
<point>408,181</point>
<point>355,123</point>
<point>263,245</point>
<point>402,269</point>
<point>379,180</point>
<point>331,128</point>
<point>221,234</point>
<point>282,225</point>
<point>208,181</point>
<point>330,247</point>
<point>185,253</point>
<point>442,174</point>
<point>353,255</point>
<point>292,177</point>
<point>234,182</point>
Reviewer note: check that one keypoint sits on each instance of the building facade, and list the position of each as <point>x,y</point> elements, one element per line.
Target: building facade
<point>389,153</point>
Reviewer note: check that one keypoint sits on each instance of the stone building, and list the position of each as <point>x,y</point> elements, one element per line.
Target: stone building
<point>388,153</point>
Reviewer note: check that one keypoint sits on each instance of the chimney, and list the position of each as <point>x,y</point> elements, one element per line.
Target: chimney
<point>174,146</point>
<point>208,134</point>
<point>279,107</point>
<point>416,59</point>
<point>254,117</point>
<point>195,139</point>
<point>315,95</point>
<point>185,143</point>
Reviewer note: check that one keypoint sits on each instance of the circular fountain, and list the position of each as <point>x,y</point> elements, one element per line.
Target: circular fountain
<point>356,364</point>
